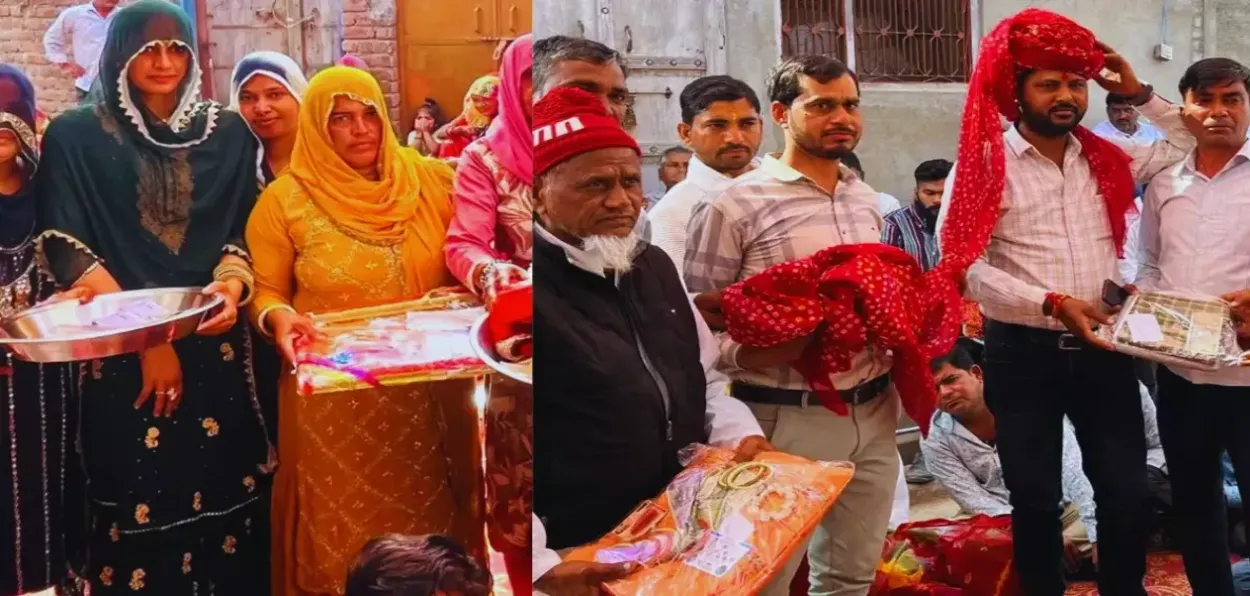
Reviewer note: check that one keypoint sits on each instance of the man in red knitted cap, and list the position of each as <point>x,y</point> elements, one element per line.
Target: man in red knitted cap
<point>627,374</point>
<point>1036,219</point>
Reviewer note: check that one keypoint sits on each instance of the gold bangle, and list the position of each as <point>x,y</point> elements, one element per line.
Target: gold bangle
<point>265,312</point>
<point>241,273</point>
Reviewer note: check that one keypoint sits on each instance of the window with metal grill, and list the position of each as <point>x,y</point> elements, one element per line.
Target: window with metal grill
<point>900,41</point>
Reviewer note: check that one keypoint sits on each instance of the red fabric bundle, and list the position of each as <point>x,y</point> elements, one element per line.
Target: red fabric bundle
<point>1033,39</point>
<point>855,295</point>
<point>511,322</point>
<point>970,556</point>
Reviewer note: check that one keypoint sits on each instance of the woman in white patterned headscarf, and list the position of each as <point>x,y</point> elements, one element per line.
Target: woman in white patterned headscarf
<point>267,88</point>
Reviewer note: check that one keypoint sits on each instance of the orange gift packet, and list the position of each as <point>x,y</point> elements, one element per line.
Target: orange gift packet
<point>721,527</point>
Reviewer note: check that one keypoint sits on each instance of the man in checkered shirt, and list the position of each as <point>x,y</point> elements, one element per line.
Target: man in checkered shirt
<point>1039,283</point>
<point>793,205</point>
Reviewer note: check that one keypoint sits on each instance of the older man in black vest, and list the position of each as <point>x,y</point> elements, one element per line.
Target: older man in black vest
<point>626,369</point>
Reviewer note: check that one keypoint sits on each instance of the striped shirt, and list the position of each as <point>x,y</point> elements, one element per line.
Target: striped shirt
<point>905,229</point>
<point>772,215</point>
<point>1053,234</point>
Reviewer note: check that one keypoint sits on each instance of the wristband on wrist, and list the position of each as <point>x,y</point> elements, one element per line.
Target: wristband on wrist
<point>1050,306</point>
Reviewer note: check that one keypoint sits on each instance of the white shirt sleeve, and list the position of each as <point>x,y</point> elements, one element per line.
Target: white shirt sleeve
<point>56,40</point>
<point>543,558</point>
<point>728,420</point>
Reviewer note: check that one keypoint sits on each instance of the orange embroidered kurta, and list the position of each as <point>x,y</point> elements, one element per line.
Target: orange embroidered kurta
<point>355,465</point>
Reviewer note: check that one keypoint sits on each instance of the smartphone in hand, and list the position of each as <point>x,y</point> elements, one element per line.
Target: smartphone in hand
<point>1113,294</point>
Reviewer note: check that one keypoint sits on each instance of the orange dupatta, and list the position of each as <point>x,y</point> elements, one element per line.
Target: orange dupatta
<point>410,204</point>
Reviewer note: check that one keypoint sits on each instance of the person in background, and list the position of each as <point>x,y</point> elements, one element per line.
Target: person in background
<point>266,89</point>
<point>489,244</point>
<point>795,204</point>
<point>721,122</point>
<point>1123,124</point>
<point>888,203</point>
<point>1194,244</point>
<point>674,165</point>
<point>178,474</point>
<point>75,40</point>
<point>42,493</point>
<point>359,221</point>
<point>398,565</point>
<point>561,61</point>
<point>1036,222</point>
<point>635,380</point>
<point>481,106</point>
<point>914,229</point>
<point>429,118</point>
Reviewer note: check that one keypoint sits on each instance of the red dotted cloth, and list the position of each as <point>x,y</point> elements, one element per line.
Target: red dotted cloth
<point>855,295</point>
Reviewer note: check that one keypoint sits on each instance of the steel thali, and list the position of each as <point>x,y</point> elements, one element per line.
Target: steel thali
<point>479,336</point>
<point>69,331</point>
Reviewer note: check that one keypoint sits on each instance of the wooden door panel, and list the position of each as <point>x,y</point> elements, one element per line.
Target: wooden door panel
<point>238,27</point>
<point>516,17</point>
<point>443,72</point>
<point>438,22</point>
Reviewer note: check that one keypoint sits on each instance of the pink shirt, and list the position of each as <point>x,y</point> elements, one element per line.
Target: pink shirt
<point>493,219</point>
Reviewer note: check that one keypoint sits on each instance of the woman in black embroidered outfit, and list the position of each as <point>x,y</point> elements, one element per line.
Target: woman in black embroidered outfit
<point>152,188</point>
<point>41,500</point>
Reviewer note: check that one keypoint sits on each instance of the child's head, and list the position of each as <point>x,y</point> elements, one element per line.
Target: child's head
<point>395,565</point>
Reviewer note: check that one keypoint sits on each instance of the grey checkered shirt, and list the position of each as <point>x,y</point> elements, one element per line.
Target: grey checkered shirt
<point>770,216</point>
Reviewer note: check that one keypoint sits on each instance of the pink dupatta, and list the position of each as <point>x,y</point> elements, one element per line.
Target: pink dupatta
<point>509,136</point>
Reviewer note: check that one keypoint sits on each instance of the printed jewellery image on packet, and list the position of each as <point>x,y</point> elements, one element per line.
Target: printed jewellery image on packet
<point>721,527</point>
<point>1185,331</point>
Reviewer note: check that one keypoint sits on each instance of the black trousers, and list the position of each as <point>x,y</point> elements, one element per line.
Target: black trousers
<point>1197,423</point>
<point>1030,385</point>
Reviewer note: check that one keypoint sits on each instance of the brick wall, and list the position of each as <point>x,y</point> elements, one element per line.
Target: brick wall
<point>369,32</point>
<point>22,25</point>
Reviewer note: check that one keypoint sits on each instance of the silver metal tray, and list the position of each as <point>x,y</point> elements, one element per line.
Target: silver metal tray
<point>39,334</point>
<point>479,336</point>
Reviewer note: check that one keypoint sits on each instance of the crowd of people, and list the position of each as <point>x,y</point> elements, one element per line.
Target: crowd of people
<point>1093,455</point>
<point>194,467</point>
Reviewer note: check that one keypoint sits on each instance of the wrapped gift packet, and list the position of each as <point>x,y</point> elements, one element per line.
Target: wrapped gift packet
<point>1179,330</point>
<point>721,527</point>
<point>966,557</point>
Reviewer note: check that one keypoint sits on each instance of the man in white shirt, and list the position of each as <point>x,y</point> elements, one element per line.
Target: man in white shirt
<point>75,39</point>
<point>1039,235</point>
<point>1195,239</point>
<point>721,123</point>
<point>1123,124</point>
<point>628,375</point>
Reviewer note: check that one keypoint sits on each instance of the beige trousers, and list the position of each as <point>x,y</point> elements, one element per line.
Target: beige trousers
<point>846,547</point>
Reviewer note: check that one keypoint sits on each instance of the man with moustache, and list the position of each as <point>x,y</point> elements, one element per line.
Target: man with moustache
<point>913,229</point>
<point>1036,220</point>
<point>721,123</point>
<point>794,204</point>
<point>628,375</point>
<point>1196,241</point>
<point>561,61</point>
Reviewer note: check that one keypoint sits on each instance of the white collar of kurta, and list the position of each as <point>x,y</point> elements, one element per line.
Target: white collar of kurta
<point>584,260</point>
<point>704,177</point>
<point>1019,145</point>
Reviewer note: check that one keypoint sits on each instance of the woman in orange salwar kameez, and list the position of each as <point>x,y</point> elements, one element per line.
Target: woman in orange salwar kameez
<point>359,221</point>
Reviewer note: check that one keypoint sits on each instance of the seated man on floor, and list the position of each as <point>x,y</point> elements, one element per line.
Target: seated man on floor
<point>961,453</point>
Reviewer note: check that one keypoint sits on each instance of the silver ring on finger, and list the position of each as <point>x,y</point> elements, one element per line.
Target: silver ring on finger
<point>171,394</point>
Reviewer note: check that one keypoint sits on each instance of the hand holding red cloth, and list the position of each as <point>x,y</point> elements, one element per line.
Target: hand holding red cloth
<point>853,296</point>
<point>510,322</point>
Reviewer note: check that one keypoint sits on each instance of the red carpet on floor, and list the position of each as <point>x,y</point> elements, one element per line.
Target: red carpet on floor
<point>1165,576</point>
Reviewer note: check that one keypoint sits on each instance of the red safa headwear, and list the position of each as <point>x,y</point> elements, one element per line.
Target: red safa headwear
<point>861,294</point>
<point>568,122</point>
<point>1033,39</point>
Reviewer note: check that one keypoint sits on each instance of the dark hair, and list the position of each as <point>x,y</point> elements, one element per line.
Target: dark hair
<point>783,85</point>
<point>1117,99</point>
<point>958,357</point>
<point>396,565</point>
<point>700,94</point>
<point>933,170</point>
<point>435,111</point>
<point>675,149</point>
<point>851,160</point>
<point>1213,71</point>
<point>550,51</point>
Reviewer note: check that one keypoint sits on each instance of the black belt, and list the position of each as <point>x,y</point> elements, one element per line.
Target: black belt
<point>857,395</point>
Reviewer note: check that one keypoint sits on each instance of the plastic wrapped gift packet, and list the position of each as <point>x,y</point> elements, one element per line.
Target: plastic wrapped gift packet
<point>1185,331</point>
<point>721,527</point>
<point>410,342</point>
